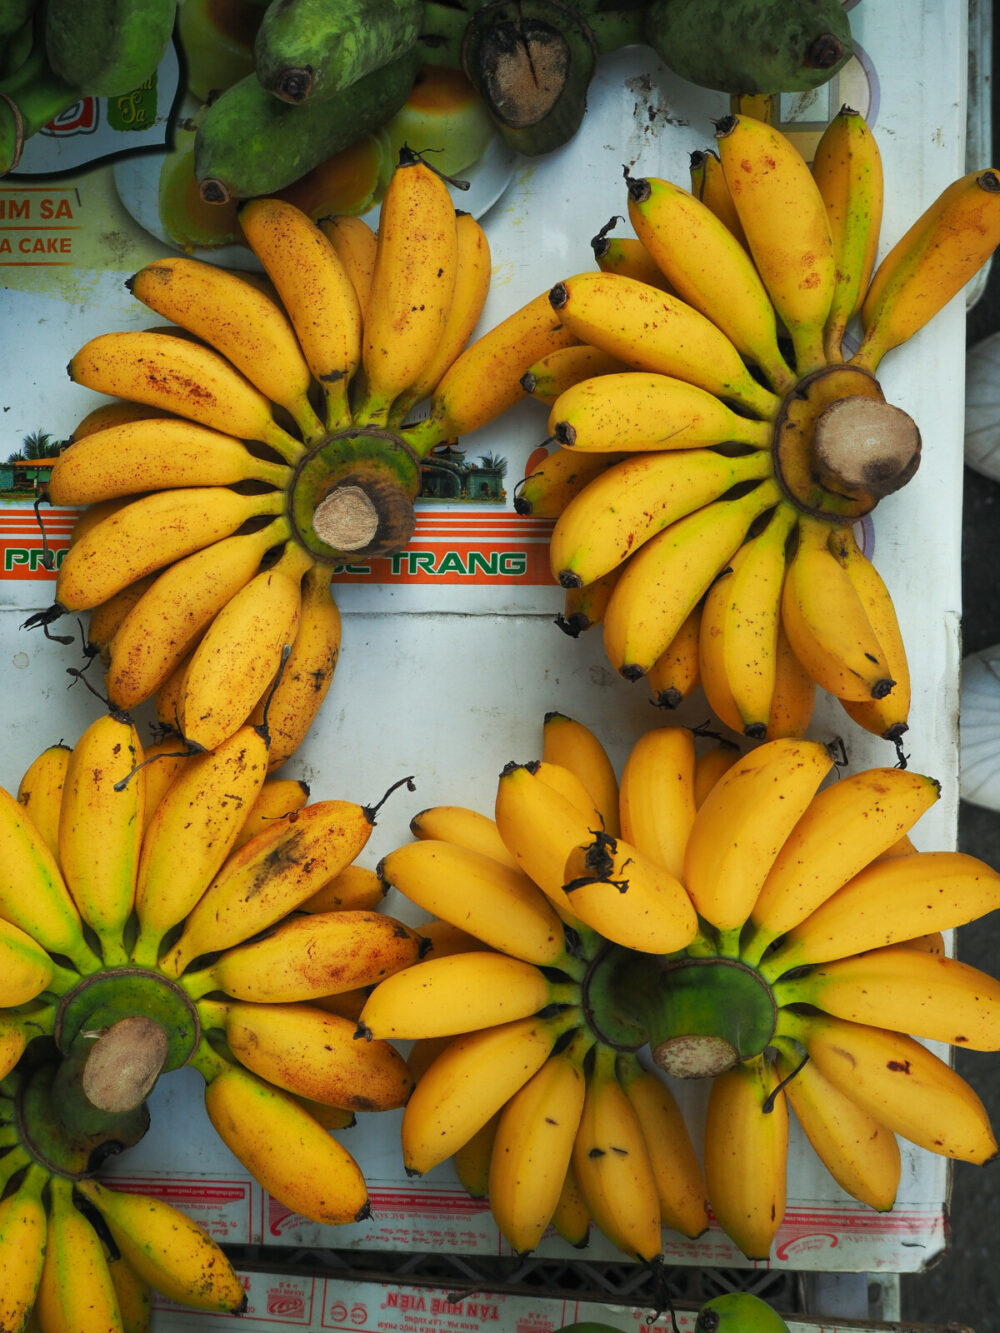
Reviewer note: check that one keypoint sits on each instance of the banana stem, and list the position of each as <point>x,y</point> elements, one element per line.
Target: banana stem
<point>12,1162</point>
<point>290,449</point>
<point>63,979</point>
<point>208,1062</point>
<point>729,943</point>
<point>810,355</point>
<point>9,1136</point>
<point>754,945</point>
<point>423,436</point>
<point>212,1013</point>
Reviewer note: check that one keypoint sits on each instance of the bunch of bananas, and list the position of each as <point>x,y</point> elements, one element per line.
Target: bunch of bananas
<point>754,929</point>
<point>715,449</point>
<point>161,908</point>
<point>256,445</point>
<point>55,52</point>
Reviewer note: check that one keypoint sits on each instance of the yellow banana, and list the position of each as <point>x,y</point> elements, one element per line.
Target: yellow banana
<point>305,677</point>
<point>739,628</point>
<point>470,1080</point>
<point>101,821</point>
<point>843,828</point>
<point>163,760</point>
<point>709,268</point>
<point>40,792</point>
<point>115,413</point>
<point>709,767</point>
<point>352,889</point>
<point>570,744</point>
<point>552,375</point>
<point>472,1160</point>
<point>413,283</point>
<point>442,939</point>
<point>613,1167</point>
<point>183,377</point>
<point>888,902</point>
<point>826,621</point>
<point>317,294</point>
<point>355,244</point>
<point>627,505</point>
<point>557,479</point>
<point>75,1289</point>
<point>794,694</point>
<point>286,1150</point>
<point>240,321</point>
<point>311,1053</point>
<point>639,410</point>
<point>241,651</point>
<point>167,1249</point>
<point>168,697</point>
<point>311,956</point>
<point>26,970</point>
<point>585,607</point>
<point>786,226</point>
<point>493,901</point>
<point>161,628</point>
<point>680,1180</point>
<point>154,455</point>
<point>665,580</point>
<point>464,827</point>
<point>908,990</point>
<point>885,717</point>
<point>858,1151</point>
<point>627,897</point>
<point>540,826</point>
<point>657,795</point>
<point>107,617</point>
<point>472,284</point>
<point>571,1216</point>
<point>628,256</point>
<point>898,1082</point>
<point>746,1155</point>
<point>743,823</point>
<point>847,169</point>
<point>277,797</point>
<point>675,673</point>
<point>33,893</point>
<point>135,1297</point>
<point>149,533</point>
<point>485,379</point>
<point>708,184</point>
<point>533,1145</point>
<point>931,263</point>
<point>192,831</point>
<point>651,330</point>
<point>459,993</point>
<point>270,875</point>
<point>22,1244</point>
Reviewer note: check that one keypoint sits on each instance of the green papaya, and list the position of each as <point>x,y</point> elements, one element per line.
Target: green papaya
<point>751,46</point>
<point>738,1312</point>
<point>312,49</point>
<point>249,143</point>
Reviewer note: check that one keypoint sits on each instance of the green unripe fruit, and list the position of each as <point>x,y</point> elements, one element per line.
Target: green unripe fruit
<point>739,1312</point>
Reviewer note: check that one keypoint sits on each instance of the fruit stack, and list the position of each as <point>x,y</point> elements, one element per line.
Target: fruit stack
<point>776,936</point>
<point>256,444</point>
<point>160,909</point>
<point>737,917</point>
<point>718,451</point>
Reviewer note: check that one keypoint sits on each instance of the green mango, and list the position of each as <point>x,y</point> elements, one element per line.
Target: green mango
<point>738,1312</point>
<point>751,46</point>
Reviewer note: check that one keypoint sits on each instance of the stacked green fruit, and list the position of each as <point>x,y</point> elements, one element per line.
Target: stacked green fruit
<point>61,51</point>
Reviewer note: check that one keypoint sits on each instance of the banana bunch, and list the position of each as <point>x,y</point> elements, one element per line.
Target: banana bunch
<point>255,444</point>
<point>160,907</point>
<point>56,52</point>
<point>714,448</point>
<point>704,915</point>
<point>76,1253</point>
